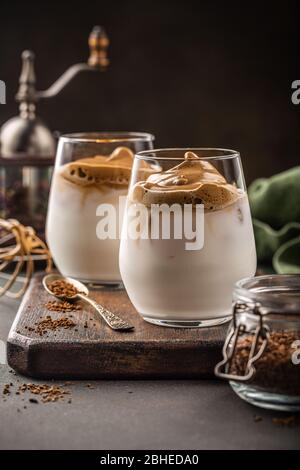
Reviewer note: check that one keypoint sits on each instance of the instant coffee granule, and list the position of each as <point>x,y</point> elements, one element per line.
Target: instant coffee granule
<point>63,307</point>
<point>288,421</point>
<point>61,287</point>
<point>257,418</point>
<point>48,324</point>
<point>6,389</point>
<point>48,393</point>
<point>274,370</point>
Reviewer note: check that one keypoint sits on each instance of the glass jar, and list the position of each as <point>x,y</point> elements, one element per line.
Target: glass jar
<point>89,185</point>
<point>194,236</point>
<point>262,349</point>
<point>24,190</point>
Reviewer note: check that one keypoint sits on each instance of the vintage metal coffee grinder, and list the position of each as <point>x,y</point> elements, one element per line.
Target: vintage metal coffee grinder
<point>27,146</point>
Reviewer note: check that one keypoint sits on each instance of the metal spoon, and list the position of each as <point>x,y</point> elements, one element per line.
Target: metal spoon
<point>115,322</point>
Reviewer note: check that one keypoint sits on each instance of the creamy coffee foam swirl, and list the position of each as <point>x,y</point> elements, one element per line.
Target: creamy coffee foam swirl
<point>100,170</point>
<point>194,181</point>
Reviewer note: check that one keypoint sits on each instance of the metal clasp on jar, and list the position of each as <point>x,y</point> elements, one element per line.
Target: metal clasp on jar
<point>223,369</point>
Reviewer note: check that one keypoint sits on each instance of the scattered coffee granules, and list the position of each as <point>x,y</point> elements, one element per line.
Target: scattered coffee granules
<point>288,421</point>
<point>90,386</point>
<point>257,419</point>
<point>63,307</point>
<point>6,389</point>
<point>275,371</point>
<point>48,393</point>
<point>61,287</point>
<point>48,324</point>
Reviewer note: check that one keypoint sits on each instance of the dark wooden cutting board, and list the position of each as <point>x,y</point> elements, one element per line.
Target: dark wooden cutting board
<point>92,350</point>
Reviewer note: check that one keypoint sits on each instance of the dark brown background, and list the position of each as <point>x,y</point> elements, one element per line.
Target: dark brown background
<point>206,73</point>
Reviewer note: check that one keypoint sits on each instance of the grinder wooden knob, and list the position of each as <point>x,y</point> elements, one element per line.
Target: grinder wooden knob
<point>98,42</point>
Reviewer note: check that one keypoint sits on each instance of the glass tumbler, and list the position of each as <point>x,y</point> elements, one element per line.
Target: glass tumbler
<point>187,236</point>
<point>89,184</point>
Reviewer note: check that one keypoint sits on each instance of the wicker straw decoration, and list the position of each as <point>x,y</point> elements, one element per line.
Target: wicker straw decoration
<point>19,248</point>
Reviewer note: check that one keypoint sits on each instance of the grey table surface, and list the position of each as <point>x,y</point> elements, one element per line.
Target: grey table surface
<point>135,414</point>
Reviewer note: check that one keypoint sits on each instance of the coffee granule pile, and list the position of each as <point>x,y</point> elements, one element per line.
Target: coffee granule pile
<point>61,287</point>
<point>48,324</point>
<point>275,371</point>
<point>62,306</point>
<point>48,393</point>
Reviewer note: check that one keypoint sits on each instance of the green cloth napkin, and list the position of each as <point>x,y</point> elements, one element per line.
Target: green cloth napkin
<point>275,207</point>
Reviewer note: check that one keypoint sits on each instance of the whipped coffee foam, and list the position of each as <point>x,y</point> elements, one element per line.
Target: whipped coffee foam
<point>78,188</point>
<point>194,181</point>
<point>114,169</point>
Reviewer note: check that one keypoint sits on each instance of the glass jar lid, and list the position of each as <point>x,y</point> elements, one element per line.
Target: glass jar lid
<point>260,303</point>
<point>272,293</point>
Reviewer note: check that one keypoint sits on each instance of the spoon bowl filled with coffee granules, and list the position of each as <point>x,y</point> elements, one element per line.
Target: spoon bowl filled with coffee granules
<point>64,288</point>
<point>68,289</point>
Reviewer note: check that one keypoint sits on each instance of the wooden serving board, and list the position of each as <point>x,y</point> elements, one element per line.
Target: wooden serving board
<point>92,350</point>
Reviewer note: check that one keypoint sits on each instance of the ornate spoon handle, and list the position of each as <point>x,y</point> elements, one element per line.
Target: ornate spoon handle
<point>115,322</point>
